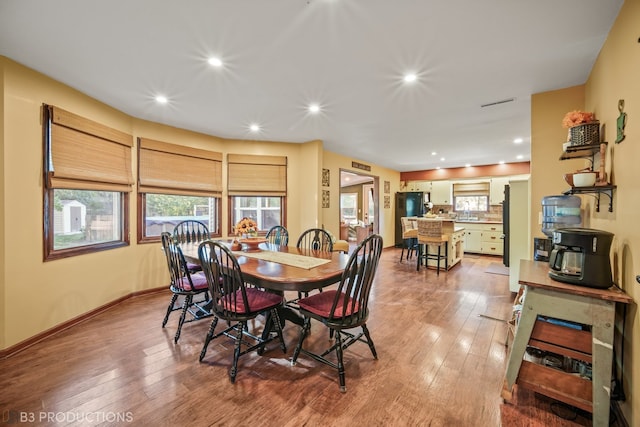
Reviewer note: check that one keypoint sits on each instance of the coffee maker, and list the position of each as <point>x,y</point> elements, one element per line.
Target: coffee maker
<point>580,256</point>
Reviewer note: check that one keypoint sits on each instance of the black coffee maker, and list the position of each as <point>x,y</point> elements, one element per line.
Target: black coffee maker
<point>580,256</point>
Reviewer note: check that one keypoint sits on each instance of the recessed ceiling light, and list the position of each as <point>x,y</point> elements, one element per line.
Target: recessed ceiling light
<point>410,77</point>
<point>437,167</point>
<point>501,162</point>
<point>314,108</point>
<point>161,99</point>
<point>433,153</point>
<point>467,165</point>
<point>442,159</point>
<point>519,156</point>
<point>215,62</point>
<point>518,141</point>
<point>254,127</point>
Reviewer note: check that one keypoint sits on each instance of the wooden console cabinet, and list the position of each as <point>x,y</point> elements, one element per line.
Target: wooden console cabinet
<point>594,307</point>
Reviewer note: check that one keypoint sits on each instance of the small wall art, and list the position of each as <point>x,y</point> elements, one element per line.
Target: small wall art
<point>326,177</point>
<point>387,202</point>
<point>325,198</point>
<point>387,187</point>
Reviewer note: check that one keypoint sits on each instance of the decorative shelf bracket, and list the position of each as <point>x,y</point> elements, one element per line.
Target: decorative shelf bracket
<point>596,192</point>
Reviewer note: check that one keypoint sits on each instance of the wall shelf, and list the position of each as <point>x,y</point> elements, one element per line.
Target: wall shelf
<point>596,191</point>
<point>588,151</point>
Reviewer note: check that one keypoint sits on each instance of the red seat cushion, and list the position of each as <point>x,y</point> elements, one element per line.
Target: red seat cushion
<point>258,301</point>
<point>321,303</point>
<point>199,282</point>
<point>193,267</point>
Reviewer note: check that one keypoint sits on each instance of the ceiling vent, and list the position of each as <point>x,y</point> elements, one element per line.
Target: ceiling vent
<point>504,101</point>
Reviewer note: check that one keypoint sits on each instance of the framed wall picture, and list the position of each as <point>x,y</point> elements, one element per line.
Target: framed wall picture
<point>387,187</point>
<point>325,198</point>
<point>387,202</point>
<point>326,177</point>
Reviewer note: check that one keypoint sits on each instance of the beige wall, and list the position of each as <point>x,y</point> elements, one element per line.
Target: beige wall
<point>61,290</point>
<point>613,77</point>
<point>331,216</point>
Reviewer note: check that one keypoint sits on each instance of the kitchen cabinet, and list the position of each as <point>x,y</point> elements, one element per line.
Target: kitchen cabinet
<point>496,190</point>
<point>482,238</point>
<point>441,192</point>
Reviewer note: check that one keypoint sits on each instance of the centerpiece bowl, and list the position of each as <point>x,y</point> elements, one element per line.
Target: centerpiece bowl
<point>250,244</point>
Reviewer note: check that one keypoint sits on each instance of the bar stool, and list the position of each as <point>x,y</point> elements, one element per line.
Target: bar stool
<point>409,235</point>
<point>430,234</point>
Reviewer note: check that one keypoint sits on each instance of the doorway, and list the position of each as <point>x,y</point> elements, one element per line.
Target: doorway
<point>359,203</point>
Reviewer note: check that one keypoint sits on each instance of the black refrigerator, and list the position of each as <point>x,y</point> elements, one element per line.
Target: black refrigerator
<point>505,226</point>
<point>408,204</point>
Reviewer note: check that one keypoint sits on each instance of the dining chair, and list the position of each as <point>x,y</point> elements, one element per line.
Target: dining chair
<point>430,234</point>
<point>185,284</point>
<point>314,239</point>
<point>278,235</point>
<point>191,231</point>
<point>343,308</point>
<point>236,303</point>
<point>409,226</point>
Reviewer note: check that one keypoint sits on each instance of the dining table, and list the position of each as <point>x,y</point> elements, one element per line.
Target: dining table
<point>283,268</point>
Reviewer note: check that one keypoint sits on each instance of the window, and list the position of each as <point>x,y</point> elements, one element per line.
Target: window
<point>176,183</point>
<point>349,207</point>
<point>471,197</point>
<point>162,212</point>
<point>257,187</point>
<point>266,211</point>
<point>87,181</point>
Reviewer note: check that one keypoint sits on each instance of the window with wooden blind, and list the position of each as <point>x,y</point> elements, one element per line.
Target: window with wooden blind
<point>87,181</point>
<point>471,197</point>
<point>257,189</point>
<point>177,183</point>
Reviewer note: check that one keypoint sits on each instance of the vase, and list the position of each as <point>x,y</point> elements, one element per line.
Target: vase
<point>251,244</point>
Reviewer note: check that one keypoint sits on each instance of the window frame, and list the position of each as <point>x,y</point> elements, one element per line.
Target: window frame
<point>230,210</point>
<point>142,209</point>
<point>92,129</point>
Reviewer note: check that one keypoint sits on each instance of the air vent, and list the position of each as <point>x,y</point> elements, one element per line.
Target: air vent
<point>504,101</point>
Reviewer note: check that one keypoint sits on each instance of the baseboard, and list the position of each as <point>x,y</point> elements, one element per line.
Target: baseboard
<point>16,348</point>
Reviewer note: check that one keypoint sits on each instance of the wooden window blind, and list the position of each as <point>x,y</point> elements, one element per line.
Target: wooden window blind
<point>175,169</point>
<point>471,189</point>
<point>83,154</point>
<point>254,175</point>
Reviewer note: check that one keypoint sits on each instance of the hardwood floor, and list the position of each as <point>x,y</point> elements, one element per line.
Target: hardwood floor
<point>440,363</point>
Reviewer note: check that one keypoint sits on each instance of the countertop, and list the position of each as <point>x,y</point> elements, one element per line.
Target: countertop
<point>481,221</point>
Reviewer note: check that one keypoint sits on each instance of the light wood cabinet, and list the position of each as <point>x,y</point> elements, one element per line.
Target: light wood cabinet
<point>496,190</point>
<point>441,192</point>
<point>483,238</point>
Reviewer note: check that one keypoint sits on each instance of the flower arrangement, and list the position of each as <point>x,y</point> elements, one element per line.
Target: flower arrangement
<point>246,226</point>
<point>576,117</point>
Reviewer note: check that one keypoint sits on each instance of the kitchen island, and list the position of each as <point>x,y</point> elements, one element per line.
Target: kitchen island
<point>455,235</point>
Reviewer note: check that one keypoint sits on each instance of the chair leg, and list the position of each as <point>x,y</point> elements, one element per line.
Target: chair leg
<point>438,266</point>
<point>369,341</point>
<point>208,338</point>
<point>187,303</point>
<point>174,297</point>
<point>303,334</point>
<point>236,352</point>
<point>343,387</point>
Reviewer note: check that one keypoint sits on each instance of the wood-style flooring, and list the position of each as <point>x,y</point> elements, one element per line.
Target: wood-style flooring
<point>441,361</point>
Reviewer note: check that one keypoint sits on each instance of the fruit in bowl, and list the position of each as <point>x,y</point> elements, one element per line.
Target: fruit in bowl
<point>584,179</point>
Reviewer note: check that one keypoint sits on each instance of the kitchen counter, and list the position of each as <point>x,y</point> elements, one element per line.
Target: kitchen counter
<point>479,221</point>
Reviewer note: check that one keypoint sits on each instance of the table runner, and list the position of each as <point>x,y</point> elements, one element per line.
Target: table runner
<point>294,260</point>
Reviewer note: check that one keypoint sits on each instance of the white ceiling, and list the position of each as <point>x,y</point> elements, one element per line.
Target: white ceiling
<point>349,56</point>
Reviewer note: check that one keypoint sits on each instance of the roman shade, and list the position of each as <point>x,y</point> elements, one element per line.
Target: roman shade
<point>176,169</point>
<point>85,155</point>
<point>471,189</point>
<point>254,175</point>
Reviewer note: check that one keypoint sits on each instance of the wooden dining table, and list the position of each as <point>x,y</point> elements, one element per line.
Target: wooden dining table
<point>279,277</point>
